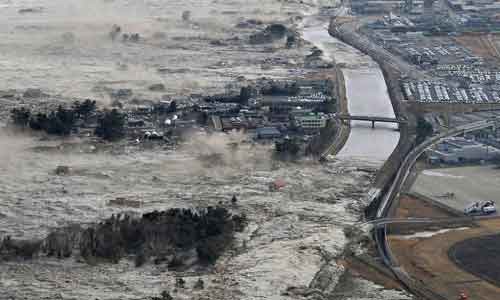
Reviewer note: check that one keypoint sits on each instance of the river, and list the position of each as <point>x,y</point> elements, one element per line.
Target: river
<point>366,93</point>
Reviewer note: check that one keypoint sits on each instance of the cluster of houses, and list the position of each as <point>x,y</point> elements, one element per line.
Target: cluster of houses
<point>265,117</point>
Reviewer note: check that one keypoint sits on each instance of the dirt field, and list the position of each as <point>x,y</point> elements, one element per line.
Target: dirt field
<point>427,260</point>
<point>480,45</point>
<point>359,268</point>
<point>412,207</point>
<point>465,255</point>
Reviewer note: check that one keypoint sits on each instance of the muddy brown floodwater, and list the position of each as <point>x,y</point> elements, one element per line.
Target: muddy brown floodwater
<point>64,49</point>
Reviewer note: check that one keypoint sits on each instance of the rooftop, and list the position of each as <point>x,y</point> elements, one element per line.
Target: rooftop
<point>268,131</point>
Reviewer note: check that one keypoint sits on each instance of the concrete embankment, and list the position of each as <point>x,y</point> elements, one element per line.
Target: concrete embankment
<point>343,128</point>
<point>363,88</point>
<point>335,135</point>
<point>342,109</point>
<point>391,74</point>
<point>364,93</point>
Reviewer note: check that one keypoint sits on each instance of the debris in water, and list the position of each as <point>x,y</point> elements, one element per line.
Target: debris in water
<point>277,185</point>
<point>122,201</point>
<point>62,170</point>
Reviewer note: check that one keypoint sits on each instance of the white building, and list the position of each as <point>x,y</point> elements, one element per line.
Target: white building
<point>311,121</point>
<point>457,150</point>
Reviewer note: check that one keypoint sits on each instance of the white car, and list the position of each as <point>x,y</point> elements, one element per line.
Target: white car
<point>489,207</point>
<point>481,207</point>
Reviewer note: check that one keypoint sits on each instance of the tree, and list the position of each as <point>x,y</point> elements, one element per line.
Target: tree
<point>245,94</point>
<point>39,121</point>
<point>424,130</point>
<point>111,126</point>
<point>60,122</point>
<point>288,147</point>
<point>210,249</point>
<point>173,106</point>
<point>20,116</point>
<point>85,109</point>
<point>199,284</point>
<point>180,283</point>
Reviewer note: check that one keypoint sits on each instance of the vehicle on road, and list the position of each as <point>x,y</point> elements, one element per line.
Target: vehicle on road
<point>481,208</point>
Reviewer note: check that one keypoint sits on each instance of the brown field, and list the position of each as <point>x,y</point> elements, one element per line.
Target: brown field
<point>412,207</point>
<point>465,254</point>
<point>363,268</point>
<point>427,260</point>
<point>481,45</point>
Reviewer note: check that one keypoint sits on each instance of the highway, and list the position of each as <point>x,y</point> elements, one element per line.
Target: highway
<point>386,221</point>
<point>411,158</point>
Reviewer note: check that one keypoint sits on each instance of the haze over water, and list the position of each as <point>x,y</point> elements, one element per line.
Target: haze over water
<point>65,49</point>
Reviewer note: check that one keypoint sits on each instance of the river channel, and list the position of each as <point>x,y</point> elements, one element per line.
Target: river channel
<point>366,93</point>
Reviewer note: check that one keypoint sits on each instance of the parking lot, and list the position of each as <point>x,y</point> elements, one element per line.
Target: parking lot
<point>459,187</point>
<point>439,92</point>
<point>472,73</point>
<point>423,50</point>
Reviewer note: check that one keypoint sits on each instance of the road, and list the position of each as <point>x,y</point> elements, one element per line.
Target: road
<point>411,158</point>
<point>349,31</point>
<point>393,193</point>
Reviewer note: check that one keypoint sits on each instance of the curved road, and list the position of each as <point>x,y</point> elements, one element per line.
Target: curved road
<point>384,207</point>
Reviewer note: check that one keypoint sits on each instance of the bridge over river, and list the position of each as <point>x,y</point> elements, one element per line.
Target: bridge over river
<point>372,119</point>
<point>367,97</point>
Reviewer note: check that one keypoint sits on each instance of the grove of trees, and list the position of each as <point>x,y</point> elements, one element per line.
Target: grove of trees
<point>289,148</point>
<point>165,235</point>
<point>62,121</point>
<point>111,125</point>
<point>59,122</point>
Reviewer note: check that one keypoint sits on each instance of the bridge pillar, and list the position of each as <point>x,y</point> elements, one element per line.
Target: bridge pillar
<point>373,124</point>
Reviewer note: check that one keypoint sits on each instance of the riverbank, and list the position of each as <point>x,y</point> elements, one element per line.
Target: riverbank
<point>344,128</point>
<point>391,75</point>
<point>364,93</point>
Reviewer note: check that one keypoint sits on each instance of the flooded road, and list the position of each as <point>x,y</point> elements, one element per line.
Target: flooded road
<point>366,93</point>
